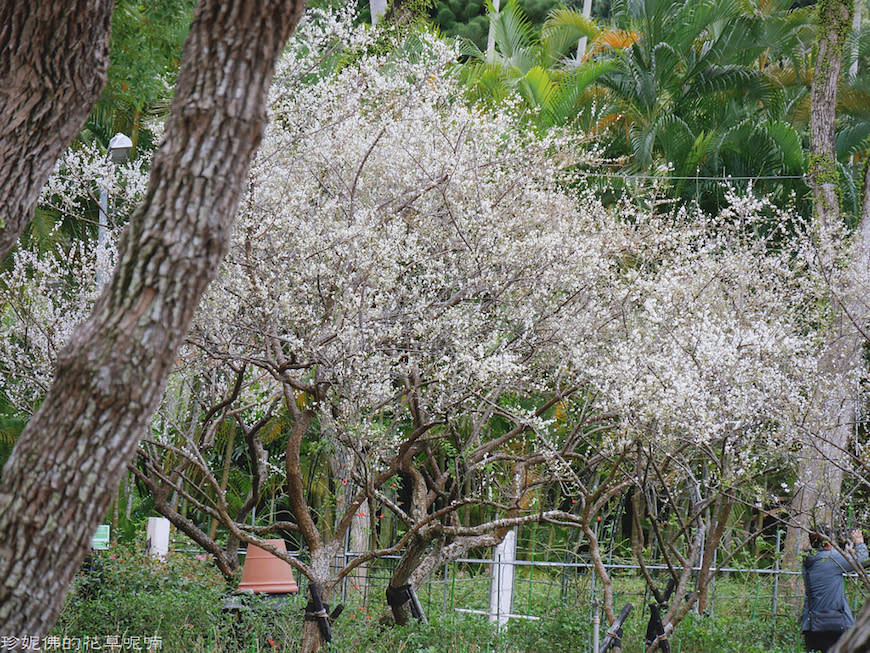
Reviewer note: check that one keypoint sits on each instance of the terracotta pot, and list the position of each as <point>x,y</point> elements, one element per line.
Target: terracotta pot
<point>265,573</point>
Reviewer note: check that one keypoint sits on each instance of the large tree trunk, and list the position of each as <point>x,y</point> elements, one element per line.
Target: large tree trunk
<point>858,638</point>
<point>820,471</point>
<point>52,70</point>
<point>834,23</point>
<point>62,474</point>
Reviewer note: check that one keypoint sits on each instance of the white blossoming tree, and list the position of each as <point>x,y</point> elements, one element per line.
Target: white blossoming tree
<point>403,263</point>
<point>712,372</point>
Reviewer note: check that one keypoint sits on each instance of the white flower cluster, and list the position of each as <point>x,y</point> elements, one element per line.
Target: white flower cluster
<point>715,342</point>
<point>83,172</point>
<point>45,293</point>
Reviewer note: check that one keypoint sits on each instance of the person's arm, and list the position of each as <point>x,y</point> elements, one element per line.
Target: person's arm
<point>860,553</point>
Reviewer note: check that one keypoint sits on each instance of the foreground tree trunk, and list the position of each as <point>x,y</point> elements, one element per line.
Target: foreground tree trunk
<point>52,70</point>
<point>858,638</point>
<point>62,474</point>
<point>820,471</point>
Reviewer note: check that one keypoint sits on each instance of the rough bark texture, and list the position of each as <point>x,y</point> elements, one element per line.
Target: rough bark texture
<point>53,63</point>
<point>819,473</point>
<point>858,638</point>
<point>63,472</point>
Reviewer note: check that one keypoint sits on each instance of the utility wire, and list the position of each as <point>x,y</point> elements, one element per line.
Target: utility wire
<point>613,175</point>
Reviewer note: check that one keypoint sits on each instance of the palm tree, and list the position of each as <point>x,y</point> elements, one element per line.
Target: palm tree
<point>853,129</point>
<point>145,51</point>
<point>697,92</point>
<point>540,69</point>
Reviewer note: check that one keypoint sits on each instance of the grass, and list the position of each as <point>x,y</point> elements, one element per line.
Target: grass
<point>127,595</point>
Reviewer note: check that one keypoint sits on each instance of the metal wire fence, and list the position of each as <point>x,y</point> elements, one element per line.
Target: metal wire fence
<point>548,582</point>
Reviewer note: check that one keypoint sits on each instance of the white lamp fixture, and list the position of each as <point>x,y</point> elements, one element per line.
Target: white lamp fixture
<point>119,148</point>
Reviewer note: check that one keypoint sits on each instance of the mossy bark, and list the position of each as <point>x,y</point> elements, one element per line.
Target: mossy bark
<point>820,471</point>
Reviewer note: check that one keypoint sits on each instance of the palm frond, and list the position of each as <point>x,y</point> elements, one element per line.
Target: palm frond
<point>852,138</point>
<point>537,87</point>
<point>488,82</point>
<point>565,103</point>
<point>788,141</point>
<point>514,36</point>
<point>562,30</point>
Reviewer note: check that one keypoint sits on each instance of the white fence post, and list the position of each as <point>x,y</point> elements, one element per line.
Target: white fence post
<point>501,584</point>
<point>157,533</point>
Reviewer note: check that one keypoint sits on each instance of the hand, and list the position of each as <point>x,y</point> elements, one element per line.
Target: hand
<point>857,536</point>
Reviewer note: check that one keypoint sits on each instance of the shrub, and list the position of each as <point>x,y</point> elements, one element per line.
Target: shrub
<point>125,592</point>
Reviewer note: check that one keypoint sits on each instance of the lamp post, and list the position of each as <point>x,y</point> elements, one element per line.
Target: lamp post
<point>118,153</point>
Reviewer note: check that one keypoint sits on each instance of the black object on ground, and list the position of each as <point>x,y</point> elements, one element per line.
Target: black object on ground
<point>614,633</point>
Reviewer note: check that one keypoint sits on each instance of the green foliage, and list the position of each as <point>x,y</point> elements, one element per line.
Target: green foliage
<point>468,19</point>
<point>145,49</point>
<point>853,120</point>
<point>122,591</point>
<point>460,633</point>
<point>565,632</point>
<point>701,90</point>
<point>731,634</point>
<point>533,68</point>
<point>181,601</point>
<point>144,54</point>
<point>10,429</point>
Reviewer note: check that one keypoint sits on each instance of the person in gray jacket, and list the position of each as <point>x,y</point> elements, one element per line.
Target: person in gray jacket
<point>826,613</point>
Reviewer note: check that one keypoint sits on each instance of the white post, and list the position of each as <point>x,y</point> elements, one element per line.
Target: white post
<point>501,584</point>
<point>378,9</point>
<point>490,41</point>
<point>118,153</point>
<point>596,626</point>
<point>856,25</point>
<point>581,44</point>
<point>157,543</point>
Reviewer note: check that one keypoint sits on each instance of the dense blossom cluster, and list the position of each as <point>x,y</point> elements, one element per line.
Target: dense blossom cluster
<point>390,231</point>
<point>715,345</point>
